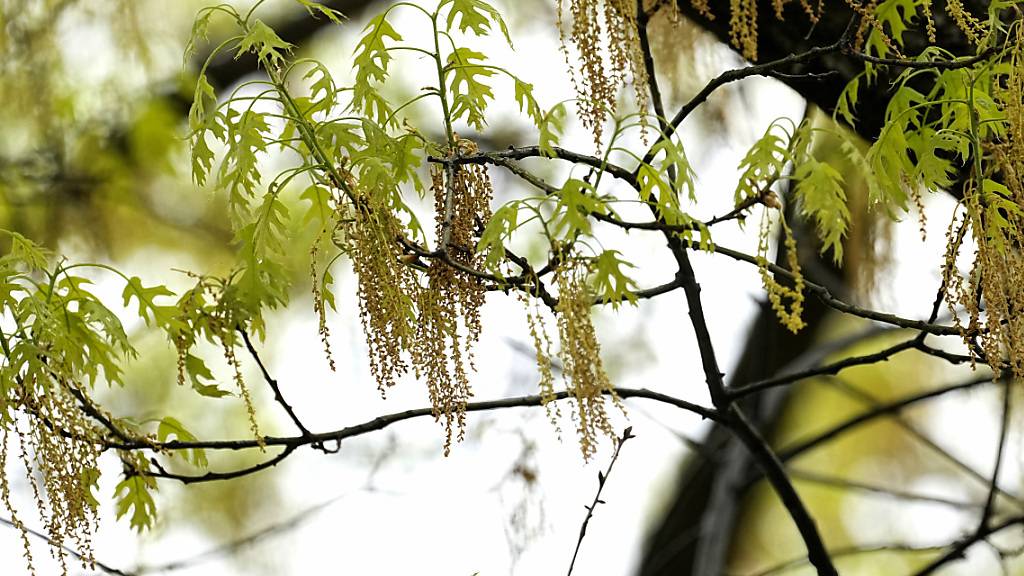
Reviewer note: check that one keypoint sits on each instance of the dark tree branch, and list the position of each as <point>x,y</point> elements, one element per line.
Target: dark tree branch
<point>218,476</point>
<point>381,422</point>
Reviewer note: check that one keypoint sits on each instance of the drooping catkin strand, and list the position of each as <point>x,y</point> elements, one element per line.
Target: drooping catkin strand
<point>449,323</point>
<point>791,316</point>
<point>581,356</point>
<point>387,290</point>
<point>993,293</point>
<point>604,33</point>
<point>542,353</point>
<point>58,449</point>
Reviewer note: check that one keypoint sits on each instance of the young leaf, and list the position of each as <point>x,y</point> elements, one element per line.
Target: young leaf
<point>474,15</point>
<point>821,196</point>
<point>764,161</point>
<point>527,103</point>
<point>170,428</point>
<point>133,493</point>
<point>149,310</point>
<point>551,126</point>
<point>371,59</point>
<point>577,200</point>
<point>197,372</point>
<point>469,95</point>
<point>265,43</point>
<point>315,7</point>
<point>610,283</point>
<point>499,229</point>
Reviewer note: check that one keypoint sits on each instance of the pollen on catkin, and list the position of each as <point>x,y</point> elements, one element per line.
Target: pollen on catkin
<point>581,356</point>
<point>449,323</point>
<point>542,353</point>
<point>58,449</point>
<point>603,27</point>
<point>387,288</point>
<point>993,294</point>
<point>791,316</point>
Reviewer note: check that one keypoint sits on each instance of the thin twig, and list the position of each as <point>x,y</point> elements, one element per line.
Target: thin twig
<point>272,383</point>
<point>602,478</point>
<point>381,422</point>
<point>219,476</point>
<point>855,485</point>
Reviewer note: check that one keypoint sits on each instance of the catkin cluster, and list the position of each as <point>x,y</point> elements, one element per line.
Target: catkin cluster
<point>993,293</point>
<point>778,293</point>
<point>58,448</point>
<point>602,27</point>
<point>449,308</point>
<point>387,289</point>
<point>581,356</point>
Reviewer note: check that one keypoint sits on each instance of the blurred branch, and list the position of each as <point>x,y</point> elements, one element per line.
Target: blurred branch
<point>87,561</point>
<point>855,485</point>
<point>915,433</point>
<point>1004,428</point>
<point>959,549</point>
<point>788,453</point>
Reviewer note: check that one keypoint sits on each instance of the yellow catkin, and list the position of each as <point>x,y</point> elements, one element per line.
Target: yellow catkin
<point>993,294</point>
<point>604,32</point>
<point>243,388</point>
<point>319,305</point>
<point>449,323</point>
<point>387,289</point>
<point>791,316</point>
<point>581,356</point>
<point>967,23</point>
<point>58,448</point>
<point>542,352</point>
<point>743,27</point>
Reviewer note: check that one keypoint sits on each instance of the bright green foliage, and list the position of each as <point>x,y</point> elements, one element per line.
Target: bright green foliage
<point>370,62</point>
<point>133,495</point>
<point>149,310</point>
<point>469,93</point>
<point>999,210</point>
<point>198,372</point>
<point>551,127</point>
<point>764,162</point>
<point>821,197</point>
<point>477,16</point>
<point>315,8</point>
<point>503,223</point>
<point>170,429</point>
<point>577,201</point>
<point>261,40</point>
<point>527,103</point>
<point>357,160</point>
<point>610,283</point>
